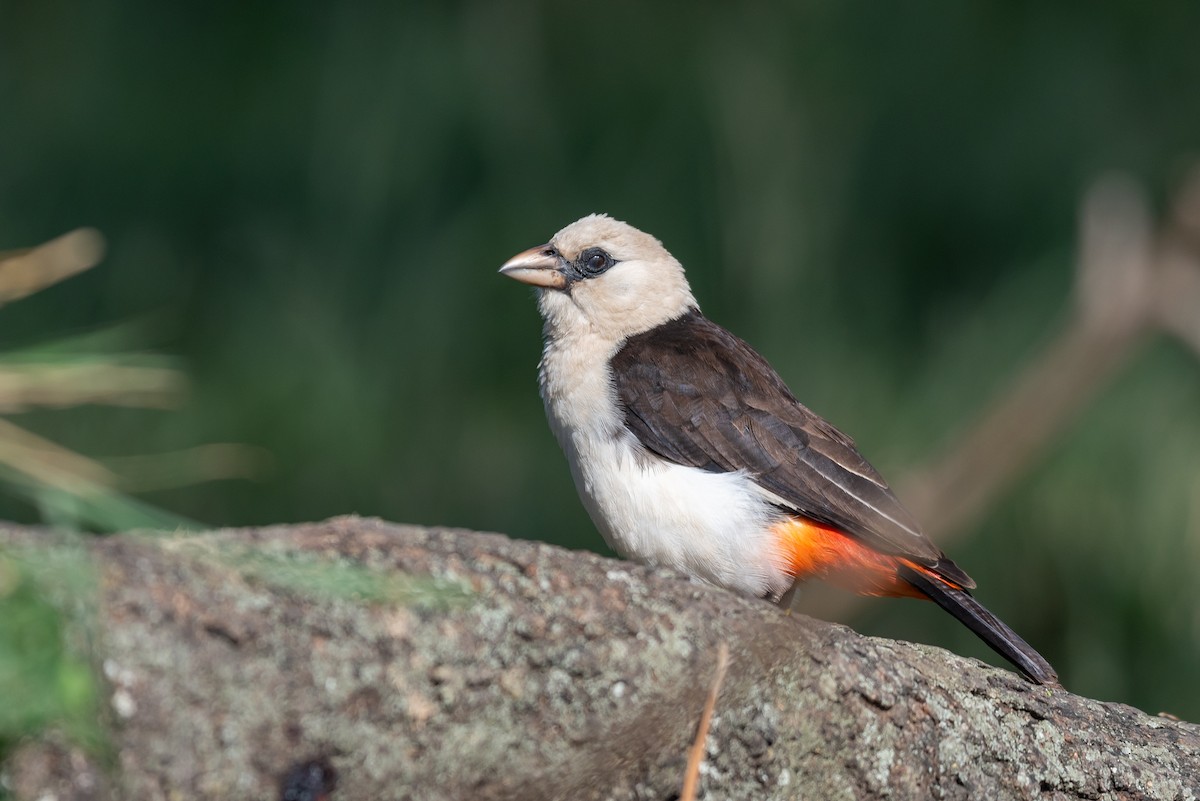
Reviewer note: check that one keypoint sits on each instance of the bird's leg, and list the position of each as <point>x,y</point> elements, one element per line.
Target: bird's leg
<point>785,600</point>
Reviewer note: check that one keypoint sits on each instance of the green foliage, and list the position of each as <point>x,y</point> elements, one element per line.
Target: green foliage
<point>97,509</point>
<point>309,575</point>
<point>45,677</point>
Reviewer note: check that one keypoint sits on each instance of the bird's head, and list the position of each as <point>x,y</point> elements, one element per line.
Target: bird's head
<point>603,277</point>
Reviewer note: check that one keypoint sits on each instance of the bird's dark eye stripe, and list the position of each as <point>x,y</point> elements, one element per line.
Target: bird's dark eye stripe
<point>593,262</point>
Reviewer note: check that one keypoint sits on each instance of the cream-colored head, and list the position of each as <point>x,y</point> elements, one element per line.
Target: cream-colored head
<point>603,277</point>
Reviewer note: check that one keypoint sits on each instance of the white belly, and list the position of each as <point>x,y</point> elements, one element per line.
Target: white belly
<point>710,525</point>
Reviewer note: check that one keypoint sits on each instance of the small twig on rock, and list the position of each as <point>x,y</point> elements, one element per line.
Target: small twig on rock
<point>691,776</point>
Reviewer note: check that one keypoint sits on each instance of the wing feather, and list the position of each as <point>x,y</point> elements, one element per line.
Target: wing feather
<point>697,395</point>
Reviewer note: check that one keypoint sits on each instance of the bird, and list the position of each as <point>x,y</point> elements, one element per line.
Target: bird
<point>689,451</point>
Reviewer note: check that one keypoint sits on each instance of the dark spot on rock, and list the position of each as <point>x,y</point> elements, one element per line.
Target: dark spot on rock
<point>222,632</point>
<point>310,780</point>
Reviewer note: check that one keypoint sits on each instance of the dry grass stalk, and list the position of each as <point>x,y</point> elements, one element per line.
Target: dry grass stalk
<point>25,386</point>
<point>691,776</point>
<point>23,272</point>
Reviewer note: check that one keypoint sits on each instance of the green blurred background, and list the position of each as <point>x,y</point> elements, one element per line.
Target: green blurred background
<point>308,206</point>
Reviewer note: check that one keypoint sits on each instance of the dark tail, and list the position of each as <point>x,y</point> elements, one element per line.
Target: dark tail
<point>989,628</point>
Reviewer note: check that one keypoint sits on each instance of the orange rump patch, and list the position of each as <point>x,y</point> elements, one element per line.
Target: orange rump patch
<point>814,550</point>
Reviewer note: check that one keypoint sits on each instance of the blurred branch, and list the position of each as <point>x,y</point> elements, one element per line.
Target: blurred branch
<point>1177,303</point>
<point>1115,277</point>
<point>1130,282</point>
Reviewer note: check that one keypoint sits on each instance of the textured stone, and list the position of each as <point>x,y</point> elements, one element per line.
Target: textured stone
<point>476,666</point>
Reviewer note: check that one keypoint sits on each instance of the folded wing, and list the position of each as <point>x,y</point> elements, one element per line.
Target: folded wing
<point>697,395</point>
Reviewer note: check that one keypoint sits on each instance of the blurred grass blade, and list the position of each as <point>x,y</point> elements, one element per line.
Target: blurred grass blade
<point>23,386</point>
<point>106,510</point>
<point>44,462</point>
<point>119,343</point>
<point>72,490</point>
<point>23,272</point>
<point>202,463</point>
<point>94,507</point>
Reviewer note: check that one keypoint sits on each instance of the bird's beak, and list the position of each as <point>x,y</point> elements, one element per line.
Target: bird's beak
<point>541,266</point>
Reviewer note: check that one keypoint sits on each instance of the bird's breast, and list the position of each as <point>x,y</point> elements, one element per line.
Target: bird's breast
<point>714,526</point>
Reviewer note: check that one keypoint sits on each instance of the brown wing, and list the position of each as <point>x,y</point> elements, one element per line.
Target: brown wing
<point>695,394</point>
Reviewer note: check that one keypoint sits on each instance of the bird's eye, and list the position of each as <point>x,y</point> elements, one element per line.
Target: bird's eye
<point>594,261</point>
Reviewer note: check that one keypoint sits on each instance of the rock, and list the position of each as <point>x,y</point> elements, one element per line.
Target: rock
<point>396,662</point>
